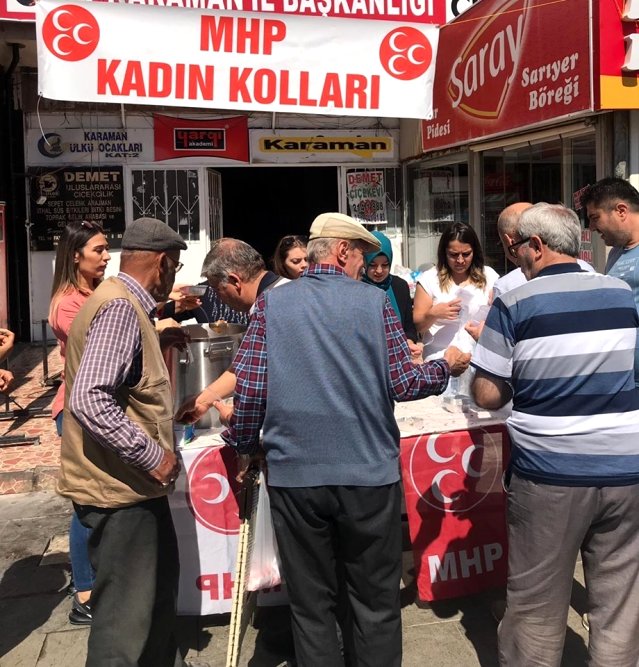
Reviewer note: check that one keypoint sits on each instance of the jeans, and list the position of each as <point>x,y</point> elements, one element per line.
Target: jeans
<point>83,573</point>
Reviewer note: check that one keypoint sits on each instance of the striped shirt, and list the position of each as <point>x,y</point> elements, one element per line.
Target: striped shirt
<point>565,341</point>
<point>408,381</point>
<point>112,357</point>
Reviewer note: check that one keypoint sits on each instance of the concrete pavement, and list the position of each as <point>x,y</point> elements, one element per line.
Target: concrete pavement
<point>34,606</point>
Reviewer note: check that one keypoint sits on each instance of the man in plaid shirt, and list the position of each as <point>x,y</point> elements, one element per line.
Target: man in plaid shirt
<point>319,368</point>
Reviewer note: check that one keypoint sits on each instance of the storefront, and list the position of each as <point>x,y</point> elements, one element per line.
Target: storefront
<point>516,119</point>
<point>205,176</point>
<point>249,129</point>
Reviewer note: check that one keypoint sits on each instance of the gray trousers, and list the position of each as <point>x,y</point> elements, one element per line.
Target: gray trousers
<point>547,526</point>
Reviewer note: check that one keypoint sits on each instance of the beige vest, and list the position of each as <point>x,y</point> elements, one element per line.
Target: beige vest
<point>91,474</point>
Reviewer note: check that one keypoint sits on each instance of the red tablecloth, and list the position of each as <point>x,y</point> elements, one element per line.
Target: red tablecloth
<point>456,509</point>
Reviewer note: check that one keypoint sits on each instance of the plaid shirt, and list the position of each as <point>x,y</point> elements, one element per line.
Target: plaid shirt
<point>113,357</point>
<point>408,381</point>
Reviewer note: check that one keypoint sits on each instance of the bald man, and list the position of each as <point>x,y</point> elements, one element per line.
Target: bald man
<point>506,224</point>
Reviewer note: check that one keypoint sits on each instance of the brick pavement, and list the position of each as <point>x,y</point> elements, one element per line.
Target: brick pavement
<point>30,467</point>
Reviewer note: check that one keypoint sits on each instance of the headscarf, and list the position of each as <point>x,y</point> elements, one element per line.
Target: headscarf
<point>387,283</point>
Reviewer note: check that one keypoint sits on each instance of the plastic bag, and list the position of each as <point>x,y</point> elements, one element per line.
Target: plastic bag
<point>264,566</point>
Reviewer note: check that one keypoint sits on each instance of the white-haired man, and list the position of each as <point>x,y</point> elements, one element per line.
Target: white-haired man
<point>319,368</point>
<point>562,346</point>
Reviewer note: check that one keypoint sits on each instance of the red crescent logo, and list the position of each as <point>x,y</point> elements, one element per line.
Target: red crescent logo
<point>71,32</point>
<point>454,472</point>
<point>213,490</point>
<point>405,53</point>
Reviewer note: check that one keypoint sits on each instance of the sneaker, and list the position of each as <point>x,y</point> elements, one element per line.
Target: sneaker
<point>585,622</point>
<point>80,613</point>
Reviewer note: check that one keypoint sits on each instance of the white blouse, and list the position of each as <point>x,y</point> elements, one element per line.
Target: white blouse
<point>473,298</point>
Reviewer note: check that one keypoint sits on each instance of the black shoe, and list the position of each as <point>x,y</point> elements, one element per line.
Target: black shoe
<point>80,613</point>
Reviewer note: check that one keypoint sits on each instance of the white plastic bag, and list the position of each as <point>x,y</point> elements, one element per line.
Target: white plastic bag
<point>264,566</point>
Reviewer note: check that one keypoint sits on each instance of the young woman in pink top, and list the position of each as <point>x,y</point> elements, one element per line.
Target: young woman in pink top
<point>80,262</point>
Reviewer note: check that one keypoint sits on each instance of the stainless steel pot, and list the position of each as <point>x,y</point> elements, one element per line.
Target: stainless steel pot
<point>209,353</point>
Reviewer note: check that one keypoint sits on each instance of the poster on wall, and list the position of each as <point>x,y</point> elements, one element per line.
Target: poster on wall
<point>223,139</point>
<point>289,62</point>
<point>366,195</point>
<point>76,193</point>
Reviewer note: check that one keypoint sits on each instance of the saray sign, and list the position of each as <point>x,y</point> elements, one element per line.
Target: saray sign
<point>96,52</point>
<point>509,64</point>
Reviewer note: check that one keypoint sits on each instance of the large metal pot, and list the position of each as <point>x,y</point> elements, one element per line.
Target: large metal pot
<point>208,354</point>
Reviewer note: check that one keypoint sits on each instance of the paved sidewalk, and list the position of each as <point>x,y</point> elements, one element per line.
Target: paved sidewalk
<point>34,464</point>
<point>34,608</point>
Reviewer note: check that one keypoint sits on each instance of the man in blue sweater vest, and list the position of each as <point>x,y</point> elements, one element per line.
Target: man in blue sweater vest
<point>319,368</point>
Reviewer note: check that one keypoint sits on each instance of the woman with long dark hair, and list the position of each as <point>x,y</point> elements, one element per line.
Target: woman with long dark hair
<point>452,292</point>
<point>290,258</point>
<point>80,262</point>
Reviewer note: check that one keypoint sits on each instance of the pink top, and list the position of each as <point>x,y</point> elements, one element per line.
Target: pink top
<point>60,322</point>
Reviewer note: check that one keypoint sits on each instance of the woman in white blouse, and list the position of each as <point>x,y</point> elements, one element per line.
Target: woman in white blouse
<point>453,292</point>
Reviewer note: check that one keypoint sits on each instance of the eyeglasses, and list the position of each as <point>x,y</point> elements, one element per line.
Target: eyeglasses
<point>512,248</point>
<point>178,265</point>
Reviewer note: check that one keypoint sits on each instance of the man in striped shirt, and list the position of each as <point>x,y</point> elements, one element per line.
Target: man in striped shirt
<point>562,346</point>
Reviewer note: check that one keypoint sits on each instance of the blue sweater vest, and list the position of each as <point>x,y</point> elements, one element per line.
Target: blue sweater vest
<point>329,413</point>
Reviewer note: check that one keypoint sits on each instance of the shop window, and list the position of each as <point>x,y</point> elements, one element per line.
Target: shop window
<point>437,196</point>
<point>171,195</point>
<point>528,172</point>
<point>583,173</point>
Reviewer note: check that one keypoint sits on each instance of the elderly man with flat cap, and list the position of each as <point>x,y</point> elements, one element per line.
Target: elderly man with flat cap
<point>319,368</point>
<point>117,457</point>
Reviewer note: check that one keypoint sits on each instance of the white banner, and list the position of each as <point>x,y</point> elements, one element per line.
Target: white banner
<point>97,52</point>
<point>332,146</point>
<point>206,517</point>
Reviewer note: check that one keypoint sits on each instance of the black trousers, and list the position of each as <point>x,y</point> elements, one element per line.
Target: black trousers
<point>135,556</point>
<point>341,549</point>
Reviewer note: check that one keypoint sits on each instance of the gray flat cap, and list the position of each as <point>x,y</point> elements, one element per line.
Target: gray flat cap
<point>151,234</point>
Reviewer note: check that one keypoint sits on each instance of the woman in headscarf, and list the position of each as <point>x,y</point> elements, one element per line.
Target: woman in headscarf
<point>377,272</point>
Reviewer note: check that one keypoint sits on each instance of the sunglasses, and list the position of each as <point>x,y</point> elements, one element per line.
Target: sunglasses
<point>288,241</point>
<point>93,226</point>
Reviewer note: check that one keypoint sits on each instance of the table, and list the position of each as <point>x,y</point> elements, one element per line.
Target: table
<point>452,466</point>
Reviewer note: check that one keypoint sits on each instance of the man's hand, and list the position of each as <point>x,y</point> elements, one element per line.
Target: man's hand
<point>183,301</point>
<point>193,409</point>
<point>172,334</point>
<point>168,470</point>
<point>6,380</point>
<point>226,411</point>
<point>416,350</point>
<point>457,360</point>
<point>7,338</point>
<point>474,328</point>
